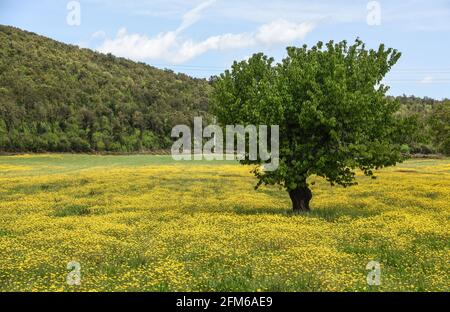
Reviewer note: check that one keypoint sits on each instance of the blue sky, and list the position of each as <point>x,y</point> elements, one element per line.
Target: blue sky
<point>203,37</point>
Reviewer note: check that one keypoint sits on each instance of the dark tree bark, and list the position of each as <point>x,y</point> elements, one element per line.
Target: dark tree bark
<point>300,198</point>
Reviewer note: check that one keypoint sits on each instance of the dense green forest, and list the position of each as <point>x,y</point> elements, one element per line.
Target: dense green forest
<point>425,125</point>
<point>60,98</point>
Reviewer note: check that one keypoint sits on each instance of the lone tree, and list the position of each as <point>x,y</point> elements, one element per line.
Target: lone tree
<point>331,108</point>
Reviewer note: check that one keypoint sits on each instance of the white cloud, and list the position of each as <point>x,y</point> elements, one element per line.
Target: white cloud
<point>169,46</point>
<point>190,49</point>
<point>139,47</point>
<point>172,47</point>
<point>192,16</point>
<point>98,35</point>
<point>281,31</point>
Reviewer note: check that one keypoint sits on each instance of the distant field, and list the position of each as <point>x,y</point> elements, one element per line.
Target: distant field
<point>146,223</point>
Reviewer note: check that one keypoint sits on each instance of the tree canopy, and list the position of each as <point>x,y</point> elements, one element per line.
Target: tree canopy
<point>56,97</point>
<point>330,104</point>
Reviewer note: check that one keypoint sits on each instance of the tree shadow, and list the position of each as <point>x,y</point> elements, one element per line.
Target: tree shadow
<point>239,210</point>
<point>332,214</point>
<point>329,214</point>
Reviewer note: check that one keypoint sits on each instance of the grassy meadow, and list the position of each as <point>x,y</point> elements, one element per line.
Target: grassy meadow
<point>147,223</point>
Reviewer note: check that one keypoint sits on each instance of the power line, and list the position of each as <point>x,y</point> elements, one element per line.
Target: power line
<point>395,73</point>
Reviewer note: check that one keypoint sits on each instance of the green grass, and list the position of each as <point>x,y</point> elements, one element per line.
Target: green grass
<point>66,163</point>
<point>148,223</point>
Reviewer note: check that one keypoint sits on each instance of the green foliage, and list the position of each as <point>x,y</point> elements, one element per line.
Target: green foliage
<point>420,119</point>
<point>405,149</point>
<point>58,97</point>
<point>330,104</point>
<point>440,127</point>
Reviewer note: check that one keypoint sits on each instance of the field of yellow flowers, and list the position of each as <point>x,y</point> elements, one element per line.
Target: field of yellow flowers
<point>145,223</point>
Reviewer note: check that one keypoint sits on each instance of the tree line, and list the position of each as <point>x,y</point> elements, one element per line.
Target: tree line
<point>60,98</point>
<point>426,125</point>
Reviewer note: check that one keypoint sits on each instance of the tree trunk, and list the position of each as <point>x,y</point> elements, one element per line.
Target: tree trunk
<point>300,197</point>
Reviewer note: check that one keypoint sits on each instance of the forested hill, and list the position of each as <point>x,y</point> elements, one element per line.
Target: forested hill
<point>58,97</point>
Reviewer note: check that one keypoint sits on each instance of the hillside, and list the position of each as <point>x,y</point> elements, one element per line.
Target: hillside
<point>427,124</point>
<point>58,97</point>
